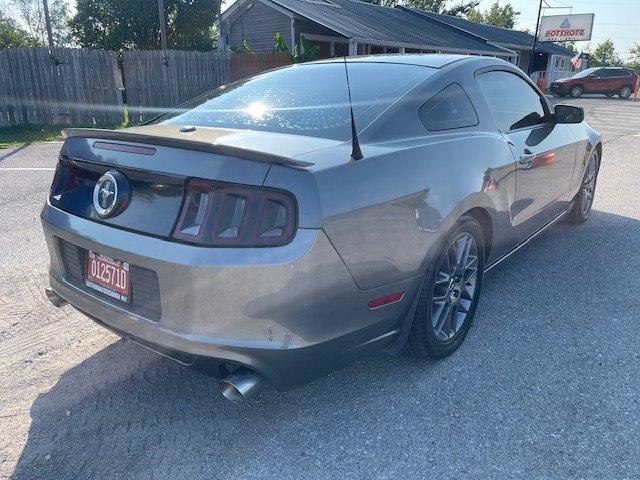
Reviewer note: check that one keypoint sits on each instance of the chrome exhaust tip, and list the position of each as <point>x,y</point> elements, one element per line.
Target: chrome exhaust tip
<point>240,386</point>
<point>55,299</point>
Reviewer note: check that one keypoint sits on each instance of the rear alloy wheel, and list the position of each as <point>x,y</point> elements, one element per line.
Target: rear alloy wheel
<point>625,92</point>
<point>450,292</point>
<point>583,200</point>
<point>576,91</point>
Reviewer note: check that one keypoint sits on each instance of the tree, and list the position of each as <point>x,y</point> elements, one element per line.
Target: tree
<point>570,44</point>
<point>634,57</point>
<point>30,15</point>
<point>12,35</point>
<point>129,25</point>
<point>437,6</point>
<point>498,16</point>
<point>634,52</point>
<point>605,55</point>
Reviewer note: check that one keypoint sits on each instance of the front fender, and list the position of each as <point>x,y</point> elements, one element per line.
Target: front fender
<point>587,141</point>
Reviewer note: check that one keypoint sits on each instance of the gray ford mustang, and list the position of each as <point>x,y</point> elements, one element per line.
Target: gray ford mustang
<point>279,227</point>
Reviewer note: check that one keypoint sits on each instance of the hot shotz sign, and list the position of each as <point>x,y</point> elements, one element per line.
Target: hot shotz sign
<point>556,28</point>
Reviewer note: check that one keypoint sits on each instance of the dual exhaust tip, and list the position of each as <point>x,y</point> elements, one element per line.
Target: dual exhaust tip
<point>241,386</point>
<point>55,299</point>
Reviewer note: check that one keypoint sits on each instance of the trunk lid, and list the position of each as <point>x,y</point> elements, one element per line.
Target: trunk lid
<point>157,161</point>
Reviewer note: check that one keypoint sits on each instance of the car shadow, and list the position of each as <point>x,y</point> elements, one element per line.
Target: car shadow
<point>12,151</point>
<point>128,413</point>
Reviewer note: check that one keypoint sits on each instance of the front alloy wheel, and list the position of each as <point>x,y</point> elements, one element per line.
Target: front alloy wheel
<point>450,292</point>
<point>576,91</point>
<point>583,200</point>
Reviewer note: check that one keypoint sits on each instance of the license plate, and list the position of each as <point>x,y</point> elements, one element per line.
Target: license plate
<point>108,276</point>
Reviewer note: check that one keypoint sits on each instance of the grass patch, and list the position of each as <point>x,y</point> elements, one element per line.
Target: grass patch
<point>14,136</point>
<point>25,134</point>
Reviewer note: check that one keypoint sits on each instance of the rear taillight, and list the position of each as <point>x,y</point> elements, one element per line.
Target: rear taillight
<point>68,180</point>
<point>218,215</point>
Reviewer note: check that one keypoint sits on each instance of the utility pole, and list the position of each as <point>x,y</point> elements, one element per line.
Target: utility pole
<point>47,21</point>
<point>163,25</point>
<point>535,40</point>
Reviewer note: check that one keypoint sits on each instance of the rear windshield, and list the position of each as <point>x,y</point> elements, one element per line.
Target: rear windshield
<point>303,100</point>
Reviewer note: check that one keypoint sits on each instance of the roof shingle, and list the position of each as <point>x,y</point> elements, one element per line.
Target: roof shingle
<point>504,36</point>
<point>374,23</point>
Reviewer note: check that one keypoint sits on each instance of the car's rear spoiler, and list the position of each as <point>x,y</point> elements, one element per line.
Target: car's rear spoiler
<point>185,143</point>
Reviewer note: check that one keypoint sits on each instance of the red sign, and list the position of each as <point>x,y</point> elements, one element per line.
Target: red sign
<point>566,32</point>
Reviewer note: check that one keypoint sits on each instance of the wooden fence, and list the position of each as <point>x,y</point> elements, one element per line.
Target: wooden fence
<point>71,86</point>
<point>244,65</point>
<point>157,80</point>
<point>59,86</point>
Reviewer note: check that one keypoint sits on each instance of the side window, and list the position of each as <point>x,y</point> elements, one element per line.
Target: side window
<point>513,102</point>
<point>450,108</point>
<point>602,73</point>
<point>619,72</point>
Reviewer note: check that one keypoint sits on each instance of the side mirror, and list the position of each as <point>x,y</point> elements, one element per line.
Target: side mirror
<point>568,114</point>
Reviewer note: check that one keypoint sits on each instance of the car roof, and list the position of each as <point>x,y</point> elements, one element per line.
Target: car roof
<point>420,59</point>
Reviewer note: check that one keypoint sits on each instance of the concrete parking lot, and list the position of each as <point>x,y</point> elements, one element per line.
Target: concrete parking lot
<point>545,386</point>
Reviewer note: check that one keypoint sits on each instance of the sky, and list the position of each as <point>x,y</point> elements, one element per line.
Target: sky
<point>618,20</point>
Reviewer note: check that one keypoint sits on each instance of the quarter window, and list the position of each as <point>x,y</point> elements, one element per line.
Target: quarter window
<point>513,102</point>
<point>450,108</point>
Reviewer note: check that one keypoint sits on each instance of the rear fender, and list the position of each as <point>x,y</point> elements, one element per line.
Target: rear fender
<point>385,213</point>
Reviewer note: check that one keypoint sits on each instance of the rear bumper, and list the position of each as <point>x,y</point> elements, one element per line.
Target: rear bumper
<point>290,313</point>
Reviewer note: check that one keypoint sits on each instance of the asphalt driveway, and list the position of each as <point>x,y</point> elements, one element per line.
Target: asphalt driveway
<point>545,386</point>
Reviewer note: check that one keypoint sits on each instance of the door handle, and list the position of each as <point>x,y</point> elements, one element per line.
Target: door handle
<point>526,159</point>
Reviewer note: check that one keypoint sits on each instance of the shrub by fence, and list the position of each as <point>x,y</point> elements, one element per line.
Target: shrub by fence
<point>59,86</point>
<point>65,86</point>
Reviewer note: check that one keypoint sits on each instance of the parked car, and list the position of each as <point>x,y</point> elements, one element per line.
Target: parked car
<point>265,232</point>
<point>609,81</point>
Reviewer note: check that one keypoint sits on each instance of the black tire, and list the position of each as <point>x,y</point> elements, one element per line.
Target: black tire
<point>425,340</point>
<point>576,91</point>
<point>625,92</point>
<point>583,201</point>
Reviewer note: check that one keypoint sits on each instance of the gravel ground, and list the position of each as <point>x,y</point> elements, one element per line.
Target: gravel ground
<point>545,385</point>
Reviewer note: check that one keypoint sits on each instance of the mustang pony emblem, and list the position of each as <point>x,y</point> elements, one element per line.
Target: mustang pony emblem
<point>111,194</point>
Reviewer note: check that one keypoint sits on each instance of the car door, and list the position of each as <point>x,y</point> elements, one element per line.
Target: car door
<point>544,151</point>
<point>596,82</point>
<point>619,78</point>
